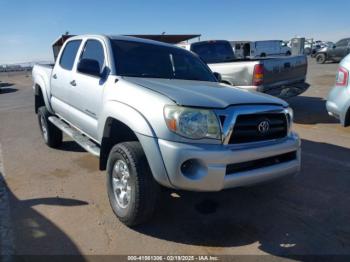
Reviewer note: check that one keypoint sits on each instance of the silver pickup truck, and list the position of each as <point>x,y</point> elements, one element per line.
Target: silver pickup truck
<point>281,76</point>
<point>155,115</point>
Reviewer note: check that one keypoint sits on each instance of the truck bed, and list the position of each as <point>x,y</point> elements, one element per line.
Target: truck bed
<point>279,72</point>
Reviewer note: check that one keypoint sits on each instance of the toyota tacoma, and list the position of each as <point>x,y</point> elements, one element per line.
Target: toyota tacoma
<point>155,115</point>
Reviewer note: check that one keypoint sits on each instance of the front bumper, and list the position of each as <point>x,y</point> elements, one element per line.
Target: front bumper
<point>210,163</point>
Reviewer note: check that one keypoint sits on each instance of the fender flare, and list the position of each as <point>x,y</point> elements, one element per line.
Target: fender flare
<point>126,114</point>
<point>39,83</point>
<point>144,132</point>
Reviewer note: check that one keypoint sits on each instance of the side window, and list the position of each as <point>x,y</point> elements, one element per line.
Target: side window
<point>94,50</point>
<point>342,43</point>
<point>69,54</point>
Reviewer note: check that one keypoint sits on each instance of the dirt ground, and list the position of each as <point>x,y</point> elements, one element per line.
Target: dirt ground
<point>58,202</point>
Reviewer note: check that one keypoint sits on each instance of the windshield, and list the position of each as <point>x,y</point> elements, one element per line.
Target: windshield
<point>214,51</point>
<point>139,59</point>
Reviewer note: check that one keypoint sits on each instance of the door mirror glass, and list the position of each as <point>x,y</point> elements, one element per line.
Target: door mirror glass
<point>89,67</point>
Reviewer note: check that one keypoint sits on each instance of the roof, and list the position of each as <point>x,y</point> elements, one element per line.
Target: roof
<point>167,39</point>
<point>170,39</point>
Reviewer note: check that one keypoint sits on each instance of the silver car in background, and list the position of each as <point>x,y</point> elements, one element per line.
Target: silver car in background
<point>338,101</point>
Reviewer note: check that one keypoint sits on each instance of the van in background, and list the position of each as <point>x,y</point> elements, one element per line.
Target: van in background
<point>251,49</point>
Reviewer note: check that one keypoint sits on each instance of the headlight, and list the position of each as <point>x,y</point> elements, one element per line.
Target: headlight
<point>290,115</point>
<point>192,122</point>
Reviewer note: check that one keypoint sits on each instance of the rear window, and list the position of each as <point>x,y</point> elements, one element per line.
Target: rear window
<point>69,54</point>
<point>214,52</point>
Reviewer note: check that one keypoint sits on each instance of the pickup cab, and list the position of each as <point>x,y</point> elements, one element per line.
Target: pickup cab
<point>280,76</point>
<point>155,115</point>
<point>334,52</point>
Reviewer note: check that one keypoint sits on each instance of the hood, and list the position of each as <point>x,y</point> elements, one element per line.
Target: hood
<point>204,94</point>
<point>323,49</point>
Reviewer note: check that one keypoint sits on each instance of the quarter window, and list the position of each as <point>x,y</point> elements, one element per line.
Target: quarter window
<point>94,50</point>
<point>69,54</point>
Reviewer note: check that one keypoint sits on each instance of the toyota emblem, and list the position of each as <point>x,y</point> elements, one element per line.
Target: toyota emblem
<point>264,127</point>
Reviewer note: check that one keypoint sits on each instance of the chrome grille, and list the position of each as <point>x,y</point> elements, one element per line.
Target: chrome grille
<point>259,127</point>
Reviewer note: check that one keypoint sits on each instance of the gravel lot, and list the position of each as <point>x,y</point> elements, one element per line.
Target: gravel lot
<point>58,202</point>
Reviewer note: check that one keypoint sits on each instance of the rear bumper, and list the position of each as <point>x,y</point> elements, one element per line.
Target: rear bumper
<point>338,103</point>
<point>285,90</point>
<point>280,90</point>
<point>199,167</point>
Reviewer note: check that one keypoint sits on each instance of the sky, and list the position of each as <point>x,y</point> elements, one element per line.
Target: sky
<point>29,27</point>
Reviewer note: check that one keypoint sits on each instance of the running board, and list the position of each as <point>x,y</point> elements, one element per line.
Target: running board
<point>82,140</point>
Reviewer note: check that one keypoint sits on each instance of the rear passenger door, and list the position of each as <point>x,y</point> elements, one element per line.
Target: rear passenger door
<point>87,92</point>
<point>61,78</point>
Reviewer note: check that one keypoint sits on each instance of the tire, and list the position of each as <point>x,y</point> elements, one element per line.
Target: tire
<point>132,194</point>
<point>320,58</point>
<point>51,134</point>
<point>263,55</point>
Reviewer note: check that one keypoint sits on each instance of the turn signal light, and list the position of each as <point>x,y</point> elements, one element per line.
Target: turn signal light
<point>258,75</point>
<point>342,77</point>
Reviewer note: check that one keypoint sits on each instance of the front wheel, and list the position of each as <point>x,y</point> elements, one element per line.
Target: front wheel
<point>320,58</point>
<point>132,190</point>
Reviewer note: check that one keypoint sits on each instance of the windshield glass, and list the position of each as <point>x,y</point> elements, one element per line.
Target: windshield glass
<point>139,59</point>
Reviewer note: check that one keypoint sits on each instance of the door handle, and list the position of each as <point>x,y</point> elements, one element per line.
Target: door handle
<point>73,83</point>
<point>54,76</point>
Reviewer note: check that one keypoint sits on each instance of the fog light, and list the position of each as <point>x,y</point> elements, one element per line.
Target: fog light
<point>193,169</point>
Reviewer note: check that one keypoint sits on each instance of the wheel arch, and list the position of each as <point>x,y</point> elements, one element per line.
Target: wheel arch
<point>109,139</point>
<point>41,98</point>
<point>120,123</point>
<point>125,134</point>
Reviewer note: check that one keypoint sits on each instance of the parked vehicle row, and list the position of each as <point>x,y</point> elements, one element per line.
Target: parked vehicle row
<point>155,115</point>
<point>279,76</point>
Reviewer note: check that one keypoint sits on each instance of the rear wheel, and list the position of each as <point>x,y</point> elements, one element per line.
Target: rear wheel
<point>321,58</point>
<point>51,134</point>
<point>132,190</point>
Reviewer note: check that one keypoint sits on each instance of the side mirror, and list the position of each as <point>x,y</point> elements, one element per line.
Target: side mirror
<point>217,76</point>
<point>90,67</point>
